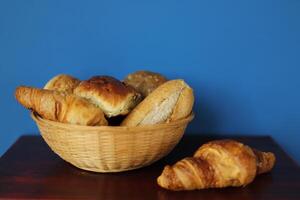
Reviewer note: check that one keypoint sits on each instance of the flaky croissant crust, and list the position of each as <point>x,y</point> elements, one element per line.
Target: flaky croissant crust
<point>60,106</point>
<point>217,164</point>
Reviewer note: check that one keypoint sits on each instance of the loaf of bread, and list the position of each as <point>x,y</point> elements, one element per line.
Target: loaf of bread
<point>145,81</point>
<point>109,94</point>
<point>63,83</point>
<point>60,106</point>
<point>171,101</point>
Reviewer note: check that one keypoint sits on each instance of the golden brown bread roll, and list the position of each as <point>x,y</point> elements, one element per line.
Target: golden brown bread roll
<point>171,101</point>
<point>217,164</point>
<point>109,94</point>
<point>145,81</point>
<point>63,83</point>
<point>59,106</point>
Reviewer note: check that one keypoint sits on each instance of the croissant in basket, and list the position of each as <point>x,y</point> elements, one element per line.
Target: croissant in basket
<point>61,107</point>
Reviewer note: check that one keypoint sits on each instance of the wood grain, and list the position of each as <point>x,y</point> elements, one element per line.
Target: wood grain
<point>30,170</point>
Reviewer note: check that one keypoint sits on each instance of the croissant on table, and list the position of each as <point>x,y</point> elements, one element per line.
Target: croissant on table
<point>217,164</point>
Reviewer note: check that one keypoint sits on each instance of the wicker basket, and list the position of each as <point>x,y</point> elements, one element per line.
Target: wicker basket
<point>111,148</point>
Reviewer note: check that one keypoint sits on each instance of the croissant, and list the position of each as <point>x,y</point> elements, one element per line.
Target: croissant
<point>217,164</point>
<point>60,106</point>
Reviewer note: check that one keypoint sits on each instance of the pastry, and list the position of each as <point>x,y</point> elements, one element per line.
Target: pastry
<point>217,164</point>
<point>60,106</point>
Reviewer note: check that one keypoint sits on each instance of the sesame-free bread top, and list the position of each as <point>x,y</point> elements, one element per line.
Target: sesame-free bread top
<point>111,95</point>
<point>62,83</point>
<point>145,81</point>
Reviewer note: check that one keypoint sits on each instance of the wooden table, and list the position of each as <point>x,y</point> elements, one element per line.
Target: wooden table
<point>30,170</point>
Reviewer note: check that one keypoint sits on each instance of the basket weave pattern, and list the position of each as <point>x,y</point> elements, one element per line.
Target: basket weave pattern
<point>111,148</point>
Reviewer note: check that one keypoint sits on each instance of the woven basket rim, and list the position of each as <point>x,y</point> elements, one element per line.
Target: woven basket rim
<point>39,119</point>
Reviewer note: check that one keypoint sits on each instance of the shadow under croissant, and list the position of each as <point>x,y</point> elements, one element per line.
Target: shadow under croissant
<point>248,192</point>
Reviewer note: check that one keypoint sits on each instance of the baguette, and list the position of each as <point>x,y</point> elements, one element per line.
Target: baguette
<point>171,101</point>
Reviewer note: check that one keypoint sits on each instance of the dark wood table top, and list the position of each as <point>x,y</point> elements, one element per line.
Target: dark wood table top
<point>30,170</point>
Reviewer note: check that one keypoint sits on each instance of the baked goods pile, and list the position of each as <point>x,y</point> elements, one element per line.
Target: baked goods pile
<point>143,98</point>
<point>146,98</point>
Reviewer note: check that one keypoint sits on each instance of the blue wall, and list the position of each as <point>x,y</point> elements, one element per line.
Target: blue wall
<point>241,57</point>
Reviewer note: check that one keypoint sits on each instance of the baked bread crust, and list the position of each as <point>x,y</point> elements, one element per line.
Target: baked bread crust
<point>171,101</point>
<point>60,106</point>
<point>109,94</point>
<point>145,81</point>
<point>62,83</point>
<point>217,164</point>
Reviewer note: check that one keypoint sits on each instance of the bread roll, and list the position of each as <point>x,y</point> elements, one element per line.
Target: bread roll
<point>171,101</point>
<point>109,94</point>
<point>145,81</point>
<point>59,106</point>
<point>62,83</point>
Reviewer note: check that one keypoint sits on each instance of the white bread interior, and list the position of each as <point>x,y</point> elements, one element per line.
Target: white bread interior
<point>171,101</point>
